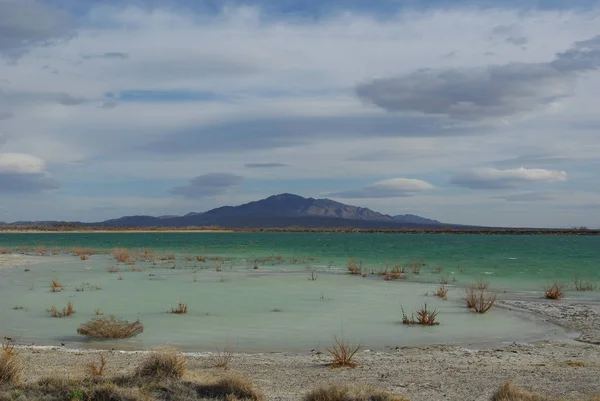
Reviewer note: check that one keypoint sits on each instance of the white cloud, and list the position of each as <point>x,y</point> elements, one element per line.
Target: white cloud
<point>491,178</point>
<point>391,188</point>
<point>21,163</point>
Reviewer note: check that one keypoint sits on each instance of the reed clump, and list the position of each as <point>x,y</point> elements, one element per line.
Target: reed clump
<point>110,327</point>
<point>180,309</point>
<point>122,255</point>
<point>11,367</point>
<point>222,359</point>
<point>478,299</point>
<point>555,290</point>
<point>66,311</point>
<point>424,317</point>
<point>97,370</point>
<point>164,363</point>
<point>442,292</point>
<point>342,353</point>
<point>354,266</point>
<point>581,285</point>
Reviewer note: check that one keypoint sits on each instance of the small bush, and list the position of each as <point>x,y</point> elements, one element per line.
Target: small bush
<point>222,359</point>
<point>555,291</point>
<point>424,317</point>
<point>66,311</point>
<point>163,364</point>
<point>342,393</point>
<point>230,388</point>
<point>11,368</point>
<point>110,327</point>
<point>342,353</point>
<point>584,285</point>
<point>84,257</point>
<point>479,300</point>
<point>180,309</point>
<point>122,255</point>
<point>510,392</point>
<point>55,286</point>
<point>97,370</point>
<point>442,292</point>
<point>354,266</point>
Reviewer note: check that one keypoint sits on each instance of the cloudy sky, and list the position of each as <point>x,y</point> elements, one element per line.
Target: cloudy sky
<point>475,112</point>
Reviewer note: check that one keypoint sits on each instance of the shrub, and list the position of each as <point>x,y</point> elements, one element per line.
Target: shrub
<point>442,291</point>
<point>180,309</point>
<point>555,291</point>
<point>121,255</point>
<point>479,300</point>
<point>424,317</point>
<point>342,393</point>
<point>66,311</point>
<point>97,370</point>
<point>342,353</point>
<point>354,266</point>
<point>229,388</point>
<point>222,359</point>
<point>110,327</point>
<point>510,392</point>
<point>584,285</point>
<point>444,280</point>
<point>10,364</point>
<point>163,364</point>
<point>55,286</point>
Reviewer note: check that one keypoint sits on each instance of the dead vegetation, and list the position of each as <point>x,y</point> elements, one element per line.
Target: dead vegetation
<point>66,311</point>
<point>122,255</point>
<point>478,299</point>
<point>342,353</point>
<point>424,317</point>
<point>164,363</point>
<point>509,392</point>
<point>55,286</point>
<point>97,370</point>
<point>110,327</point>
<point>11,367</point>
<point>555,290</point>
<point>180,309</point>
<point>222,359</point>
<point>343,393</point>
<point>442,292</point>
<point>581,285</point>
<point>354,266</point>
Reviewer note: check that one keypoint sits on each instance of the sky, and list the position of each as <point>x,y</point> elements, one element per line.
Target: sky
<point>471,112</point>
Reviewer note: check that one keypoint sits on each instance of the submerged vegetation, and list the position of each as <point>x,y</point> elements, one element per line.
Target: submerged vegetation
<point>110,327</point>
<point>423,317</point>
<point>556,290</point>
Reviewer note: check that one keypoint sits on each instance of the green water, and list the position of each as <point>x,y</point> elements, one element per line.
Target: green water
<point>277,307</point>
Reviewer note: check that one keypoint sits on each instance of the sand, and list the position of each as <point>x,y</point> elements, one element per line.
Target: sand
<point>568,369</point>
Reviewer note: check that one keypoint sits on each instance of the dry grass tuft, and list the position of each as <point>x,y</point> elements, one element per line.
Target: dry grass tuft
<point>424,317</point>
<point>222,359</point>
<point>342,393</point>
<point>555,291</point>
<point>110,327</point>
<point>122,255</point>
<point>55,286</point>
<point>342,353</point>
<point>442,292</point>
<point>575,364</point>
<point>82,252</point>
<point>11,368</point>
<point>479,300</point>
<point>354,266</point>
<point>509,392</point>
<point>230,388</point>
<point>163,364</point>
<point>97,370</point>
<point>180,309</point>
<point>113,269</point>
<point>84,257</point>
<point>66,311</point>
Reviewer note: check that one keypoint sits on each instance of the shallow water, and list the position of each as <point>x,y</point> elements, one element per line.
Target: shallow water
<point>277,307</point>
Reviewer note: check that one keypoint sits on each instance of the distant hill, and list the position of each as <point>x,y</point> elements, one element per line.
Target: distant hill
<point>277,211</point>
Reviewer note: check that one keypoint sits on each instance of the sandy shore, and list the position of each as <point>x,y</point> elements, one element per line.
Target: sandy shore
<point>568,369</point>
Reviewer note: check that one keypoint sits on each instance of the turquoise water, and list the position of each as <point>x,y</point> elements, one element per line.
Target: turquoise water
<point>276,307</point>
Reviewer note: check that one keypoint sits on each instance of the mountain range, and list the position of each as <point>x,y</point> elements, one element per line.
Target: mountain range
<point>277,211</point>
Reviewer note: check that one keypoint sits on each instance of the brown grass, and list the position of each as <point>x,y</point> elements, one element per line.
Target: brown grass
<point>164,363</point>
<point>55,286</point>
<point>343,393</point>
<point>180,309</point>
<point>66,311</point>
<point>354,266</point>
<point>230,388</point>
<point>113,269</point>
<point>11,367</point>
<point>110,327</point>
<point>222,359</point>
<point>122,255</point>
<point>97,370</point>
<point>424,317</point>
<point>342,353</point>
<point>555,291</point>
<point>509,392</point>
<point>442,292</point>
<point>480,301</point>
<point>82,252</point>
<point>84,257</point>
